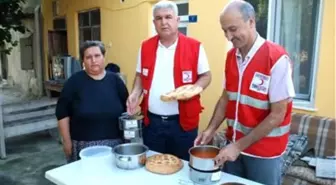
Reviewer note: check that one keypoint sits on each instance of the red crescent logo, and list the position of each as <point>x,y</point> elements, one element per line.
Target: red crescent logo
<point>262,82</point>
<point>186,76</point>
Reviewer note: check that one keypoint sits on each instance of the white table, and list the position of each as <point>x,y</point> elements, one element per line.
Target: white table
<point>74,174</point>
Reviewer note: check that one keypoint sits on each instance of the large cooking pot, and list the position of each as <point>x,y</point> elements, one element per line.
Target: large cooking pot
<point>127,122</point>
<point>202,157</point>
<point>202,164</point>
<point>130,155</point>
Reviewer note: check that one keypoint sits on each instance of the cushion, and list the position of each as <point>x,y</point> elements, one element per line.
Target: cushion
<point>290,180</point>
<point>319,130</point>
<point>219,140</point>
<point>308,174</point>
<point>295,148</point>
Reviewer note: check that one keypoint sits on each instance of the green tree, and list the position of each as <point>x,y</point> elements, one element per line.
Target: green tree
<point>11,16</point>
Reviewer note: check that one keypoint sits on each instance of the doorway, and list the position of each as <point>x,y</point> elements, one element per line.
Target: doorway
<point>4,65</point>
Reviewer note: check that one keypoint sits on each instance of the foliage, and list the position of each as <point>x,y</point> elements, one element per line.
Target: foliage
<point>11,16</point>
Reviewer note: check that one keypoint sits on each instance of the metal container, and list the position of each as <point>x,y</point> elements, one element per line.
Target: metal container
<point>202,157</point>
<point>202,165</point>
<point>133,136</point>
<point>130,155</point>
<point>127,122</point>
<point>131,127</point>
<point>204,177</point>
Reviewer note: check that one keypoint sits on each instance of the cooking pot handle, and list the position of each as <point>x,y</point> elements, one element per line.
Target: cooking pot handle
<point>125,159</point>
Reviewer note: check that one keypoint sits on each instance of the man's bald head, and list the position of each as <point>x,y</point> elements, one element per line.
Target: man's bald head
<point>244,8</point>
<point>238,23</point>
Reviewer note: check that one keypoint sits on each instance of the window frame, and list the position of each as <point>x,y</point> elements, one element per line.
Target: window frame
<point>273,34</point>
<point>91,27</point>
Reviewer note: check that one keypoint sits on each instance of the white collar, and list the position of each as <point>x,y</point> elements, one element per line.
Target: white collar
<point>256,45</point>
<point>173,46</point>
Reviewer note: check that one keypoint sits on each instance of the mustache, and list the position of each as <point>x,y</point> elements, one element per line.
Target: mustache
<point>234,39</point>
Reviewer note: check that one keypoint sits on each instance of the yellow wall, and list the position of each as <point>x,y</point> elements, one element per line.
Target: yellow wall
<point>130,19</point>
<point>214,43</point>
<point>46,8</point>
<point>334,51</point>
<point>125,25</point>
<point>125,30</point>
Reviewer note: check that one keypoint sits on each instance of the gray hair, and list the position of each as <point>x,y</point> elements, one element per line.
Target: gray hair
<point>166,5</point>
<point>91,43</point>
<point>247,11</point>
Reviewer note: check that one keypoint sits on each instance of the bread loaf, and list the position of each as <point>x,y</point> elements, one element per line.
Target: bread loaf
<point>182,93</point>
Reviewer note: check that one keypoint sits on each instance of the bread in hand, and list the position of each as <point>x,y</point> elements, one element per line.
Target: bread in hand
<point>182,93</point>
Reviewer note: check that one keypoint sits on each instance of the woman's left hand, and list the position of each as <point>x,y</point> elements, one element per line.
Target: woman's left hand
<point>67,148</point>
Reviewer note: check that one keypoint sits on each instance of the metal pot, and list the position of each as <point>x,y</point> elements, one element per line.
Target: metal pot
<point>133,136</point>
<point>202,157</point>
<point>130,155</point>
<point>127,121</point>
<point>204,177</point>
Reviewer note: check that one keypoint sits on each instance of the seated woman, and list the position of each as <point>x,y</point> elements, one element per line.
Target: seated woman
<point>90,104</point>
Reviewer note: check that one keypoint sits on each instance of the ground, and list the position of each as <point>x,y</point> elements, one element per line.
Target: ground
<point>10,94</point>
<point>29,157</point>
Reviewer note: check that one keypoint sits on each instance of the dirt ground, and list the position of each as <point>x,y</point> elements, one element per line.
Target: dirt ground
<point>28,159</point>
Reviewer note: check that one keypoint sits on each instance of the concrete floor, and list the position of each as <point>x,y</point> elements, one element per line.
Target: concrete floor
<point>10,94</point>
<point>28,159</point>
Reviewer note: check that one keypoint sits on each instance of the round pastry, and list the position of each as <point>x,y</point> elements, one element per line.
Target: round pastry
<point>163,164</point>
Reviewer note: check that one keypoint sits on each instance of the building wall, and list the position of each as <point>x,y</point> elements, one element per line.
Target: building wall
<point>334,51</point>
<point>125,25</point>
<point>130,19</point>
<point>25,80</point>
<point>17,76</point>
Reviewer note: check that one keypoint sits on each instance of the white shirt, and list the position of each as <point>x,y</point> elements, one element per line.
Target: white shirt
<point>163,78</point>
<point>281,84</point>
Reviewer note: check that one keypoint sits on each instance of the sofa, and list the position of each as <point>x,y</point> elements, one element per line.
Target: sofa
<point>310,136</point>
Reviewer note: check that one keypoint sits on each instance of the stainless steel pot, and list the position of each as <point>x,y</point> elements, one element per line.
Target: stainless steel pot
<point>127,122</point>
<point>204,177</point>
<point>202,157</point>
<point>133,136</point>
<point>130,155</point>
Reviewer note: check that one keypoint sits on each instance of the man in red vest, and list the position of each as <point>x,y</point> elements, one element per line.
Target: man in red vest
<point>167,61</point>
<point>256,101</point>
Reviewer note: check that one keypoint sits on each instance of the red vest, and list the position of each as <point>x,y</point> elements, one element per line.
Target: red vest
<point>253,100</point>
<point>186,59</point>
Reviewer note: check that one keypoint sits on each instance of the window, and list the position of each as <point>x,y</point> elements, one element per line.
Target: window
<point>183,30</point>
<point>89,25</point>
<point>26,51</point>
<point>59,23</point>
<point>183,13</point>
<point>295,26</point>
